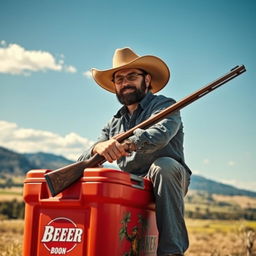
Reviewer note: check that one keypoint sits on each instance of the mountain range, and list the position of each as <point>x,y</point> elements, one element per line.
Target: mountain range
<point>13,163</point>
<point>16,164</point>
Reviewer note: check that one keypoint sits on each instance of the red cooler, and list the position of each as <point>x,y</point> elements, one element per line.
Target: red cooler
<point>106,213</point>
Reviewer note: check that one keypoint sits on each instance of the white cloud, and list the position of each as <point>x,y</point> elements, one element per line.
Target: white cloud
<point>2,42</point>
<point>14,59</point>
<point>25,140</point>
<point>61,62</point>
<point>197,172</point>
<point>70,69</point>
<point>88,74</point>
<point>231,163</point>
<point>206,161</point>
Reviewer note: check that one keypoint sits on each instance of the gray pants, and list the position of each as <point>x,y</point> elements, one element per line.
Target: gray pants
<point>170,181</point>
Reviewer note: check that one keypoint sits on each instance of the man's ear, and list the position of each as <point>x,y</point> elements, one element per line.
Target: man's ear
<point>148,79</point>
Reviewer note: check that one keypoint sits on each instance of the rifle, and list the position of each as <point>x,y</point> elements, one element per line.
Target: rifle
<point>62,178</point>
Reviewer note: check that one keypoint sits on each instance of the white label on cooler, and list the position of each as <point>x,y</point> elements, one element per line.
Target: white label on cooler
<point>61,235</point>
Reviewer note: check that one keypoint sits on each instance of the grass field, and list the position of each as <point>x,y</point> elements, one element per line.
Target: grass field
<point>8,194</point>
<point>207,237</point>
<point>220,238</point>
<point>11,235</point>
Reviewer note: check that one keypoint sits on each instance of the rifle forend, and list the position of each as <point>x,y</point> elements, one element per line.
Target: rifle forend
<point>62,178</point>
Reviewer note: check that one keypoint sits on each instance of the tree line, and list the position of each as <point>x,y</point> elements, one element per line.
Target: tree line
<point>198,213</point>
<point>13,209</point>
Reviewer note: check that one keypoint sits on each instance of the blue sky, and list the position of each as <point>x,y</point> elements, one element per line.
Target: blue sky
<point>49,103</point>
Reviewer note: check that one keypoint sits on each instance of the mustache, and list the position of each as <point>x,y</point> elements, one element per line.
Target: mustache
<point>128,87</point>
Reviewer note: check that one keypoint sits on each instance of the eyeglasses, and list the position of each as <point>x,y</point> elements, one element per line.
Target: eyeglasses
<point>130,77</point>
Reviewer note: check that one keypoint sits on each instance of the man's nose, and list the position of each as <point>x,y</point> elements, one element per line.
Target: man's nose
<point>125,81</point>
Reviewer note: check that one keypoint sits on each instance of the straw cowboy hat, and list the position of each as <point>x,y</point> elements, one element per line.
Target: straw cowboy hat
<point>126,58</point>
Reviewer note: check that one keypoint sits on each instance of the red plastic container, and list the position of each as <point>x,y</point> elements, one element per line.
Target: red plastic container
<point>106,213</point>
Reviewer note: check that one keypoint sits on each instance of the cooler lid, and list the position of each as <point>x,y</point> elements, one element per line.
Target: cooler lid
<point>98,175</point>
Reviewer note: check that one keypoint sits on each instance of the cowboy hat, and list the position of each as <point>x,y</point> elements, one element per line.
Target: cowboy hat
<point>126,58</point>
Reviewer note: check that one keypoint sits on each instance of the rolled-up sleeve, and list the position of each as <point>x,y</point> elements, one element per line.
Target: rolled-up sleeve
<point>103,137</point>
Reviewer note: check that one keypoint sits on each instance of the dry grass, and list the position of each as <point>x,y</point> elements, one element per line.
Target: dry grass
<point>219,238</point>
<point>8,194</point>
<point>207,237</point>
<point>11,234</point>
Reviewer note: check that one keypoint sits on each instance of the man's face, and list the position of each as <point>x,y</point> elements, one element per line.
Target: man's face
<point>131,85</point>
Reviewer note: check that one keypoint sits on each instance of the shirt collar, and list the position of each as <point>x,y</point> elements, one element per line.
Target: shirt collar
<point>143,103</point>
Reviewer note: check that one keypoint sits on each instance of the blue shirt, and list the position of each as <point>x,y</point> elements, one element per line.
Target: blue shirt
<point>160,140</point>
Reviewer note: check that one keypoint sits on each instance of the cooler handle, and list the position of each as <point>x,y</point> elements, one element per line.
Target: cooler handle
<point>139,181</point>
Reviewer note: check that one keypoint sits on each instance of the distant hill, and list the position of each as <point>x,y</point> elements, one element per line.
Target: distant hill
<point>13,163</point>
<point>47,160</point>
<point>200,183</point>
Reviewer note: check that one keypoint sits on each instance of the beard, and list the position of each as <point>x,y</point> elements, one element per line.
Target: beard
<point>132,97</point>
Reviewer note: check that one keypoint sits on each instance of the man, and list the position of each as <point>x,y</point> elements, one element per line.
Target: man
<point>157,152</point>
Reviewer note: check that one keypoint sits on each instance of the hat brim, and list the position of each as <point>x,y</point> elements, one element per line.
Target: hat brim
<point>160,73</point>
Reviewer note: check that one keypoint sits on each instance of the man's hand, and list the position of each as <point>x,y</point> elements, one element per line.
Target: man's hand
<point>112,149</point>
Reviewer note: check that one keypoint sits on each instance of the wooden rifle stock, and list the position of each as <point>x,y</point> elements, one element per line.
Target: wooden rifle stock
<point>60,179</point>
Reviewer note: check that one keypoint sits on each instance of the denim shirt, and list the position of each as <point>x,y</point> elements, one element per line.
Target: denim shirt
<point>163,139</point>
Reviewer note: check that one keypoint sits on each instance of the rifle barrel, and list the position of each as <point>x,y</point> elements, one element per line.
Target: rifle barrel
<point>62,178</point>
